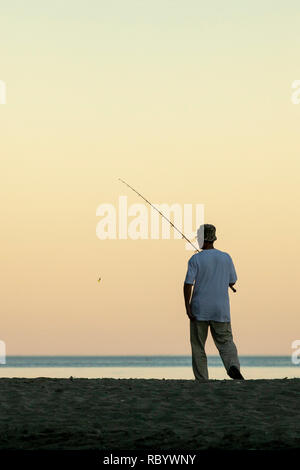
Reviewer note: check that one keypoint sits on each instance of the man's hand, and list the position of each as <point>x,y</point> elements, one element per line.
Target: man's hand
<point>189,312</point>
<point>187,290</point>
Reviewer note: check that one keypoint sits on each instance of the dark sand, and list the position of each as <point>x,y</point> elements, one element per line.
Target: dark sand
<point>145,414</point>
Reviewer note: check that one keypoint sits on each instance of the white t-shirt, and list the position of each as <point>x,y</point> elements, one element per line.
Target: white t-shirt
<point>211,271</point>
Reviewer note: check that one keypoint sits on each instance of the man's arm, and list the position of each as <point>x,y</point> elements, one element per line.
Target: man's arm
<point>188,286</point>
<point>187,292</point>
<point>231,284</point>
<point>232,275</point>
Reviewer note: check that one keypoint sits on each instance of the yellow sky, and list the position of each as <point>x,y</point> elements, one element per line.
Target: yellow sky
<point>189,102</point>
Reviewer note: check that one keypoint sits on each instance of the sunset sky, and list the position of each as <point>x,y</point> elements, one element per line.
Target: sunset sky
<point>188,101</point>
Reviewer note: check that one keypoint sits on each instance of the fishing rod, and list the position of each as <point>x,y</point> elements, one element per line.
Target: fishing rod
<point>171,223</point>
<point>148,202</point>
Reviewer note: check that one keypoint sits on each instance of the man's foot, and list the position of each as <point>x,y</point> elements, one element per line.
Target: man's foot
<point>234,373</point>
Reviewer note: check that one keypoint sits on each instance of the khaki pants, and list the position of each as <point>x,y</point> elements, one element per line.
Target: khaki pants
<point>222,336</point>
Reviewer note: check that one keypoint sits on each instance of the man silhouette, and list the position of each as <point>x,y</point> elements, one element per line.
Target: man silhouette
<point>211,272</point>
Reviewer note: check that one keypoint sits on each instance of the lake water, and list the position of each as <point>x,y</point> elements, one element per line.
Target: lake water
<point>157,367</point>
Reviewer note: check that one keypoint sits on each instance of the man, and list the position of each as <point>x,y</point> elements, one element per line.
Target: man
<point>211,272</point>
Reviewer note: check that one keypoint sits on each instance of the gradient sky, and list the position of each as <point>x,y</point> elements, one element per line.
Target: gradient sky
<point>190,102</point>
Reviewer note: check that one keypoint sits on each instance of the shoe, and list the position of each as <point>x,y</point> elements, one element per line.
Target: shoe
<point>234,373</point>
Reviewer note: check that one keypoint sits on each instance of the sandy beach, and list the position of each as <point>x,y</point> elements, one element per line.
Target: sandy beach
<point>144,414</point>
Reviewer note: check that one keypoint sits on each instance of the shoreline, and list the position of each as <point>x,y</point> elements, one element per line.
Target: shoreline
<point>174,373</point>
